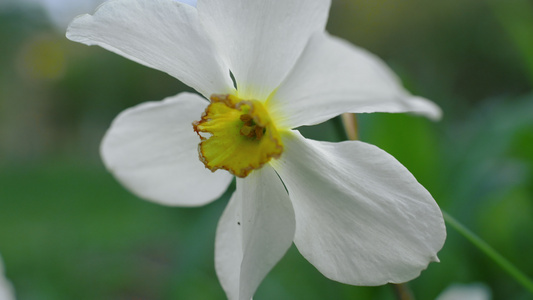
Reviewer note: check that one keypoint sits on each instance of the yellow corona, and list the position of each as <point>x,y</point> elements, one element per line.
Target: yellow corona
<point>236,135</point>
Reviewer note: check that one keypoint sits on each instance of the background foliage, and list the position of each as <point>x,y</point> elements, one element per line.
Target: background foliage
<point>68,230</point>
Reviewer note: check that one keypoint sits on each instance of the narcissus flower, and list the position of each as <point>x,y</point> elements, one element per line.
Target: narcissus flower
<point>472,291</point>
<point>6,289</point>
<point>351,209</point>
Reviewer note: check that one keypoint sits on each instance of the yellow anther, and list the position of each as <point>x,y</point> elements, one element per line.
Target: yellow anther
<point>246,130</point>
<point>246,118</point>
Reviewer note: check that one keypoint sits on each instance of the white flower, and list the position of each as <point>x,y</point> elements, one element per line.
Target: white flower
<point>6,289</point>
<point>472,291</point>
<point>352,210</point>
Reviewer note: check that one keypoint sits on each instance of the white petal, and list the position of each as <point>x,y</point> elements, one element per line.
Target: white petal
<point>361,217</point>
<point>152,149</point>
<point>261,40</point>
<point>473,291</point>
<point>254,232</point>
<point>161,34</point>
<point>333,77</point>
<point>6,289</point>
<point>228,246</point>
<point>190,2</point>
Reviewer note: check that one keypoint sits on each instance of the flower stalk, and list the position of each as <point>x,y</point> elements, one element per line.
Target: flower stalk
<point>349,121</point>
<point>402,291</point>
<point>490,252</point>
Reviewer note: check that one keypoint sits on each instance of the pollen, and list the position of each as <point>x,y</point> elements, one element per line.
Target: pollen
<point>236,135</point>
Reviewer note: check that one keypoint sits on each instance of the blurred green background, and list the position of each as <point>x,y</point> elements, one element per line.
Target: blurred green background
<point>68,230</point>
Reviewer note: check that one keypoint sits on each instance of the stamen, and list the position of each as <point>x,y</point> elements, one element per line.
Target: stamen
<point>246,130</point>
<point>250,129</point>
<point>259,132</point>
<point>246,118</point>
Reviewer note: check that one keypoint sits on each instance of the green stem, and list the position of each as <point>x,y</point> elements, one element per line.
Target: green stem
<point>349,122</point>
<point>489,251</point>
<point>402,291</point>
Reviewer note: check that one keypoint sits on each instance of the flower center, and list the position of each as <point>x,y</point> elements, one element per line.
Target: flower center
<point>237,135</point>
